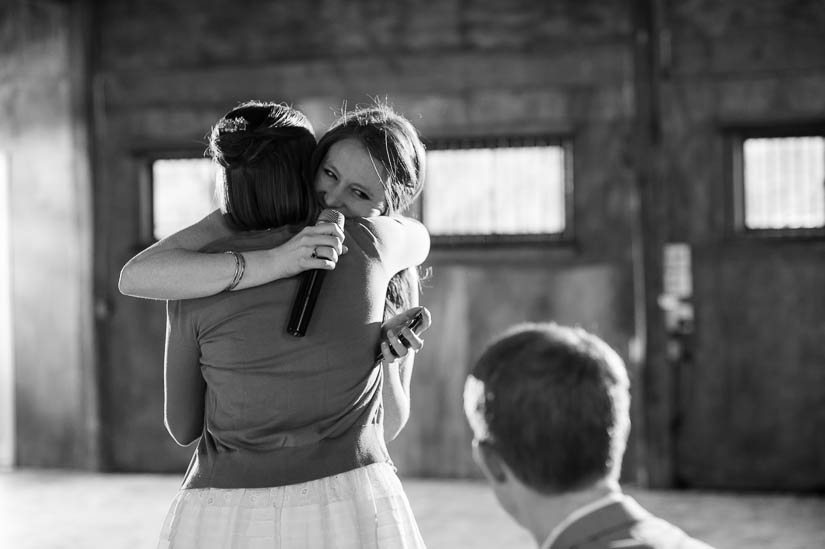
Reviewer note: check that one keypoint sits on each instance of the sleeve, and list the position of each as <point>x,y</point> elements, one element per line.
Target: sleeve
<point>400,242</point>
<point>184,386</point>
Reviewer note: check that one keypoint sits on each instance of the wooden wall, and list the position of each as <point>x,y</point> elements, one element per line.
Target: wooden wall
<point>43,132</point>
<point>643,88</point>
<point>473,296</point>
<point>750,395</point>
<point>167,71</point>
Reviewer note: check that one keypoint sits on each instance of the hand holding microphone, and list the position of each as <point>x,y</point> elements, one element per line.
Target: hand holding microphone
<point>314,247</point>
<point>311,282</point>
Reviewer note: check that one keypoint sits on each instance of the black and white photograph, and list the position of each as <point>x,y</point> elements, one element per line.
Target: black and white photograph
<point>445,274</point>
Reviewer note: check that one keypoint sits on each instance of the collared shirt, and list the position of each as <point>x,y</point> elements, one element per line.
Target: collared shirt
<point>613,497</point>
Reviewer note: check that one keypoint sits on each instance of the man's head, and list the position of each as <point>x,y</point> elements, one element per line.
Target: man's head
<point>549,408</point>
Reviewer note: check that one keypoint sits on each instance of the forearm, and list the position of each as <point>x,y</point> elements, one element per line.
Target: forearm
<point>396,395</point>
<point>174,268</point>
<point>184,274</point>
<point>397,374</point>
<point>176,274</point>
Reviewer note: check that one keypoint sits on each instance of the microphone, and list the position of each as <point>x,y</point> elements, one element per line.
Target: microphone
<point>310,285</point>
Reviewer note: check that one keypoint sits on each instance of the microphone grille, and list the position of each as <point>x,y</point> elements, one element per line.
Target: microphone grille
<point>331,216</point>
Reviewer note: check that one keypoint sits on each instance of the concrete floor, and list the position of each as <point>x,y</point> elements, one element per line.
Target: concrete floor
<point>57,510</point>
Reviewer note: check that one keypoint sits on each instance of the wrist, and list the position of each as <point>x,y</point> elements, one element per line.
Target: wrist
<point>240,267</point>
<point>276,265</point>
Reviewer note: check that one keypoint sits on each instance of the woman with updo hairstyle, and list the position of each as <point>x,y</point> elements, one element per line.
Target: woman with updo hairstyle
<point>361,144</point>
<point>291,431</point>
<point>264,150</point>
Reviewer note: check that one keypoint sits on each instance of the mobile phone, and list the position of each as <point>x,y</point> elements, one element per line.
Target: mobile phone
<point>413,324</point>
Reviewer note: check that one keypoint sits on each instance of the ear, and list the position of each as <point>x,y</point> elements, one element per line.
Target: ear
<point>489,461</point>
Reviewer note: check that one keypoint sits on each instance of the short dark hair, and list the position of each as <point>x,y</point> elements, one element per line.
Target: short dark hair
<point>554,403</point>
<point>264,149</point>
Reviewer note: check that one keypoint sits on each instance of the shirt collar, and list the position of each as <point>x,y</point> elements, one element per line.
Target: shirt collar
<point>610,498</point>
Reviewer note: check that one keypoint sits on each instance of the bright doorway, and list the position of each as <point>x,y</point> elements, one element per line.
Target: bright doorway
<point>7,417</point>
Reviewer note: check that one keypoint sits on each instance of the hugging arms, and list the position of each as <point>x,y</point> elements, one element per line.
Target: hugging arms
<point>370,163</point>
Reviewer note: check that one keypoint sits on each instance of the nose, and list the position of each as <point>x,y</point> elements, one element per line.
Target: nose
<point>331,197</point>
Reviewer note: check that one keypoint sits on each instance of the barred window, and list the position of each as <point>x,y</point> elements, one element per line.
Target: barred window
<point>497,188</point>
<point>782,183</point>
<point>488,189</point>
<point>182,192</point>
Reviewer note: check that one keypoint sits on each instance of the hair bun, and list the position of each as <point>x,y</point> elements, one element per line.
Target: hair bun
<point>230,142</point>
<point>249,133</point>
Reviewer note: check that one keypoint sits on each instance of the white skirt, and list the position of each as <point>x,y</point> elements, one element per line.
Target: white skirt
<point>360,509</point>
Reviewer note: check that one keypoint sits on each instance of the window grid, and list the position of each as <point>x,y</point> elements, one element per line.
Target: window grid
<point>497,188</point>
<point>784,182</point>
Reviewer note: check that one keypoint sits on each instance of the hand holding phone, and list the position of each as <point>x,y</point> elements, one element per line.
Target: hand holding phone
<point>417,324</point>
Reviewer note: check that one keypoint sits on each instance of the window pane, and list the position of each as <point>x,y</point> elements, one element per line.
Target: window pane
<point>183,192</point>
<point>495,191</point>
<point>784,183</point>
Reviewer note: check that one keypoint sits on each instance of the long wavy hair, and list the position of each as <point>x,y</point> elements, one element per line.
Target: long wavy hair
<point>394,142</point>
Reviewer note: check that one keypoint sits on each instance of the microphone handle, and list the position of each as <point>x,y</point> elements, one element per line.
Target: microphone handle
<point>305,302</point>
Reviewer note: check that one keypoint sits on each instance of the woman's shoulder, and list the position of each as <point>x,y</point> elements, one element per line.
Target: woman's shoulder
<point>382,235</point>
<point>382,224</point>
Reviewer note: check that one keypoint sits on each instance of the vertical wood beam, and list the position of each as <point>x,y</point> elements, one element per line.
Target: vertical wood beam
<point>81,33</point>
<point>652,379</point>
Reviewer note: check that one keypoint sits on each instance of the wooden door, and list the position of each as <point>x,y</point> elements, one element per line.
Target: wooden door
<point>749,380</point>
<point>746,377</point>
<point>752,393</point>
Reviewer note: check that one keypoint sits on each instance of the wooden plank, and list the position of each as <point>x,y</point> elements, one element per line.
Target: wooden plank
<point>372,75</point>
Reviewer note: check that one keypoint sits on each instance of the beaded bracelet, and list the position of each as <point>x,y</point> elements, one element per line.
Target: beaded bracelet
<point>240,267</point>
